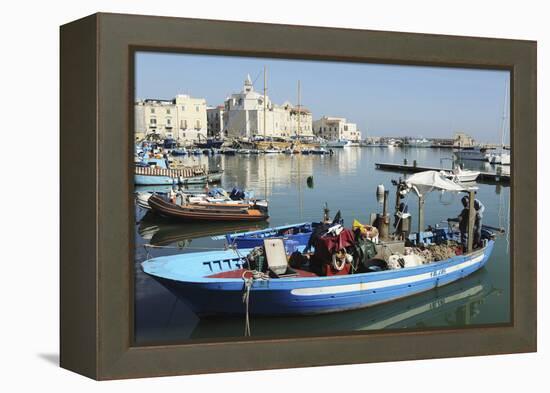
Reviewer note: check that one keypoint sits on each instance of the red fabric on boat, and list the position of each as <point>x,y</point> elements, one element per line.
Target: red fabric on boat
<point>327,245</point>
<point>330,271</point>
<point>239,273</point>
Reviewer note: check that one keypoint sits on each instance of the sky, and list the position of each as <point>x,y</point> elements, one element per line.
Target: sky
<point>384,100</point>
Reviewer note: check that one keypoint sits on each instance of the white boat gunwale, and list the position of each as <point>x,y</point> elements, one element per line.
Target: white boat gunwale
<point>240,255</point>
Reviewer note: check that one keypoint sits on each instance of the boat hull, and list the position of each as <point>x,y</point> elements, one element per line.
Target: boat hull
<point>256,238</point>
<point>149,180</point>
<point>301,295</point>
<point>212,212</point>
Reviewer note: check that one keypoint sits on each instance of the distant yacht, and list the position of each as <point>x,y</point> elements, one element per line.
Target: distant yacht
<point>339,143</point>
<point>474,153</point>
<point>501,158</point>
<point>419,143</point>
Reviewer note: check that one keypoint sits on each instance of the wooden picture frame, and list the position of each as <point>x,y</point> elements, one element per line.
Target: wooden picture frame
<point>97,227</point>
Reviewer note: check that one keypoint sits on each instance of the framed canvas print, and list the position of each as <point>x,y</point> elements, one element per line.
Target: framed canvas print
<point>257,196</point>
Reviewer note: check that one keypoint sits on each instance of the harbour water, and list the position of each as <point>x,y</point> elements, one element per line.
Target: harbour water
<point>346,181</point>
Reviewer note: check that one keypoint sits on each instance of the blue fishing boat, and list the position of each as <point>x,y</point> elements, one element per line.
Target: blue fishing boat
<point>212,283</point>
<point>299,233</point>
<point>348,269</point>
<point>154,171</point>
<point>209,143</point>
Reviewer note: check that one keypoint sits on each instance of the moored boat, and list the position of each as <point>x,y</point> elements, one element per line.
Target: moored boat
<point>461,175</point>
<point>209,211</point>
<point>500,158</point>
<point>212,283</point>
<point>299,233</point>
<point>319,151</point>
<point>418,142</point>
<point>179,152</point>
<point>347,270</point>
<point>338,143</point>
<point>209,143</point>
<point>475,153</point>
<point>228,151</point>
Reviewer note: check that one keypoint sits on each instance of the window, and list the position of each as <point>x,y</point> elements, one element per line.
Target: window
<point>183,108</point>
<point>197,108</point>
<point>168,121</point>
<point>153,120</point>
<point>167,111</point>
<point>152,110</point>
<point>198,124</point>
<point>183,124</point>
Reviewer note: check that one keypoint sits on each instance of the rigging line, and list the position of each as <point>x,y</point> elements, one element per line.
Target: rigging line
<point>256,78</point>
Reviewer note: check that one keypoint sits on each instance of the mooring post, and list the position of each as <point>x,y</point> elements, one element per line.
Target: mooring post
<point>471,219</point>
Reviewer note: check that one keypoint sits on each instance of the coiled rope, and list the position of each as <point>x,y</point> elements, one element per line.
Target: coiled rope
<point>248,282</point>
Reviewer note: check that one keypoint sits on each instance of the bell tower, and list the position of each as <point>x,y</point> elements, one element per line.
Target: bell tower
<point>248,84</point>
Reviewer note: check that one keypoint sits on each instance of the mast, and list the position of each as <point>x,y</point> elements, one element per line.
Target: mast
<point>265,101</point>
<point>265,116</point>
<point>503,125</point>
<point>299,110</point>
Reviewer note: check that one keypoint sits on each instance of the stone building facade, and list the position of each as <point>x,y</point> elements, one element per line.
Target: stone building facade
<point>336,128</point>
<point>245,114</point>
<point>182,118</point>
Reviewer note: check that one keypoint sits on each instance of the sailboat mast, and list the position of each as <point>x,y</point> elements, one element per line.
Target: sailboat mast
<point>265,100</point>
<point>299,110</point>
<point>504,112</point>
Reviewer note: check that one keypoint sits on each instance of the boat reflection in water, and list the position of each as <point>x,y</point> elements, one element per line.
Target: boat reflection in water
<point>161,231</point>
<point>454,305</point>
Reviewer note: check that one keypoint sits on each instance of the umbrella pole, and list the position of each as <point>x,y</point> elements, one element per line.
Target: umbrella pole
<point>420,216</point>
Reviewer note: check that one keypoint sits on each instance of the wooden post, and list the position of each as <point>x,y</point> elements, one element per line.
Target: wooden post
<point>471,219</point>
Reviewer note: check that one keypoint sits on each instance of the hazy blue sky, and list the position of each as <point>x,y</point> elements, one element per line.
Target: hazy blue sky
<point>381,99</point>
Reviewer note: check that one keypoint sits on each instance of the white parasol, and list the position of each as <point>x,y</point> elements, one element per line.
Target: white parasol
<point>424,182</point>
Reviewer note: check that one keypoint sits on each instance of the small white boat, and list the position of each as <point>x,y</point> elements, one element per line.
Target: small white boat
<point>142,200</point>
<point>459,175</point>
<point>271,151</point>
<point>243,151</point>
<point>502,158</point>
<point>339,143</point>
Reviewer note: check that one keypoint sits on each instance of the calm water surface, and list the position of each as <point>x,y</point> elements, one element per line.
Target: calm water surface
<point>347,182</point>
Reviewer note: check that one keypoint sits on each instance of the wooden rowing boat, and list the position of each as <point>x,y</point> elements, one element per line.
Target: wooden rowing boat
<point>209,211</point>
